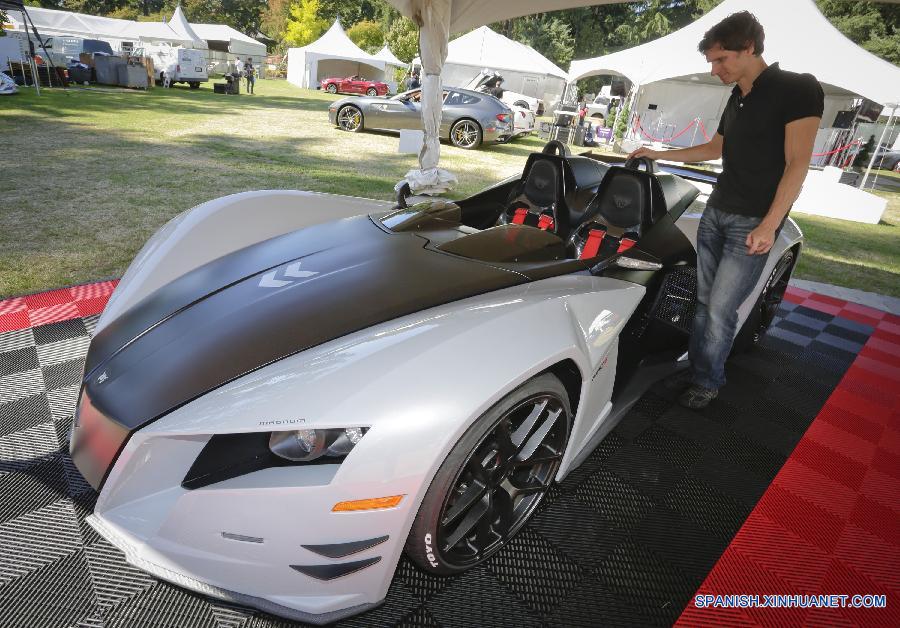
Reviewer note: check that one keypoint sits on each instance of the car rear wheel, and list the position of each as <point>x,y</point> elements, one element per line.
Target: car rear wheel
<point>331,88</point>
<point>349,118</point>
<point>763,312</point>
<point>371,92</point>
<point>493,479</point>
<point>194,85</point>
<point>466,134</point>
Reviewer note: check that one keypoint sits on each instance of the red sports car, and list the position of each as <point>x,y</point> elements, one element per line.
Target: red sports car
<point>354,85</point>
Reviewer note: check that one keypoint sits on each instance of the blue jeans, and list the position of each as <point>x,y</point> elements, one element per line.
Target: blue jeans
<point>726,275</point>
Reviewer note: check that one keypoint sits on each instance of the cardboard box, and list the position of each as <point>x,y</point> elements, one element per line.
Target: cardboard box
<point>86,58</point>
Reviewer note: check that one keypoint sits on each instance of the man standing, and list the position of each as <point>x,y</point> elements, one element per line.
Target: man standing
<point>251,75</point>
<point>765,139</point>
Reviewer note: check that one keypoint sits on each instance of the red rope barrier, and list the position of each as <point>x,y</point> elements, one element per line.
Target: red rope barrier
<point>703,130</point>
<point>638,127</point>
<point>837,150</point>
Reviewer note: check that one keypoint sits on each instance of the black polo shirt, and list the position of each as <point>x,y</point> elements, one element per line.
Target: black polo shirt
<point>753,131</point>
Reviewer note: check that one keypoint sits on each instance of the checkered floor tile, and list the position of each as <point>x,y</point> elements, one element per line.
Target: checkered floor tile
<point>626,539</point>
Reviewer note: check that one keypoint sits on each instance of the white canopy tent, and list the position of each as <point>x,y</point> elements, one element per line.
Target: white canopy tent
<point>524,69</point>
<point>182,28</point>
<point>233,41</point>
<point>388,57</point>
<point>674,87</point>
<point>332,54</point>
<point>436,20</point>
<point>391,63</point>
<point>177,31</point>
<point>50,22</point>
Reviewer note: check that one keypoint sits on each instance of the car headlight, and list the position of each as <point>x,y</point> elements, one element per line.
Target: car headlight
<point>227,456</point>
<point>307,445</point>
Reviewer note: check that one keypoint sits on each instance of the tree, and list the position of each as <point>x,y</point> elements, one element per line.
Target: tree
<point>274,19</point>
<point>874,26</point>
<point>367,35</point>
<point>243,15</point>
<point>304,26</point>
<point>550,36</point>
<point>403,39</point>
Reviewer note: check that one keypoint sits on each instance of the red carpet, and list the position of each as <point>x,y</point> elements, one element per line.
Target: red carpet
<point>54,306</point>
<point>830,521</point>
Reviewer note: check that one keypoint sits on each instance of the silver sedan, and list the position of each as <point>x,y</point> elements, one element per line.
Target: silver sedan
<point>468,118</point>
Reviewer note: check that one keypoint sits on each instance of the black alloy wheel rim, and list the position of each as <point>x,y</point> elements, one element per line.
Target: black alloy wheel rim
<point>774,291</point>
<point>502,480</point>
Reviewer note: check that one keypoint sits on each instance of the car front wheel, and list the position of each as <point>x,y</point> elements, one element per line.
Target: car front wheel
<point>493,479</point>
<point>349,118</point>
<point>371,92</point>
<point>331,88</point>
<point>466,134</point>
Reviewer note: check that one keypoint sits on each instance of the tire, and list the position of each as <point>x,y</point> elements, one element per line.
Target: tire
<point>449,535</point>
<point>466,134</point>
<point>766,305</point>
<point>371,92</point>
<point>331,88</point>
<point>349,118</point>
<point>522,104</point>
<point>194,85</point>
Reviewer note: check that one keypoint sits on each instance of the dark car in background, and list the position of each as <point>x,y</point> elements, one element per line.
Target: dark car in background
<point>468,118</point>
<point>354,85</point>
<point>887,159</point>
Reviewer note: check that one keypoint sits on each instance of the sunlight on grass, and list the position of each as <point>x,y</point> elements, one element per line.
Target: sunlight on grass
<point>103,169</point>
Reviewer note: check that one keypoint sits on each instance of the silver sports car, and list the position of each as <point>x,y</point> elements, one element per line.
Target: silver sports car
<point>288,390</point>
<point>469,118</point>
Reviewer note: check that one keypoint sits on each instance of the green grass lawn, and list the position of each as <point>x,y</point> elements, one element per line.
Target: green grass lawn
<point>89,175</point>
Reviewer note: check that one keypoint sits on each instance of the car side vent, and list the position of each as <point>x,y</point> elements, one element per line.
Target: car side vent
<point>678,299</point>
<point>675,302</point>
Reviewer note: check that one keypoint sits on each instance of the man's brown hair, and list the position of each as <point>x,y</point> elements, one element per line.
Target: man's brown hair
<point>735,32</point>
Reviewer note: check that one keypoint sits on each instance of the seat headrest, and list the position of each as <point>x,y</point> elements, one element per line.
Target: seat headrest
<point>542,183</point>
<point>623,198</point>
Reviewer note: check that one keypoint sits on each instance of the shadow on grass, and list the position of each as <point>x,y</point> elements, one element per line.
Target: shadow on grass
<point>165,101</point>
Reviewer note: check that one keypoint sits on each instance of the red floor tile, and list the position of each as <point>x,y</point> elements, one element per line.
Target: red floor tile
<point>823,298</point>
<point>14,321</point>
<point>864,309</point>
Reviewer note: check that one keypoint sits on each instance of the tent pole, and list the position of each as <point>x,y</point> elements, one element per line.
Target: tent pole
<point>893,107</point>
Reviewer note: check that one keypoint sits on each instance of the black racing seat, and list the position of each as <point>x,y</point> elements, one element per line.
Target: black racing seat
<point>618,215</point>
<point>623,202</point>
<point>555,190</point>
<point>537,200</point>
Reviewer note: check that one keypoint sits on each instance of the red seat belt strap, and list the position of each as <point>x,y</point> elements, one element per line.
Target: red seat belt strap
<point>545,222</point>
<point>625,244</point>
<point>519,216</point>
<point>594,240</point>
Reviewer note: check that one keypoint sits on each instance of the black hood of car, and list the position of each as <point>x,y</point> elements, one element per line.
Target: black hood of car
<point>263,303</point>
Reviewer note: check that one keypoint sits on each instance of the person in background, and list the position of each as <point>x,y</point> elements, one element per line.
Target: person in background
<point>765,139</point>
<point>497,89</point>
<point>416,83</point>
<point>239,67</point>
<point>251,75</point>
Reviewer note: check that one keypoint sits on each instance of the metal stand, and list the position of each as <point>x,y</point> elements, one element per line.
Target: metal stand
<point>889,124</point>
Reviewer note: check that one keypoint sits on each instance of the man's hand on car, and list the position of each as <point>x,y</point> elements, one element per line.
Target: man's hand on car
<point>643,151</point>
